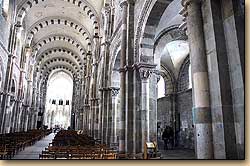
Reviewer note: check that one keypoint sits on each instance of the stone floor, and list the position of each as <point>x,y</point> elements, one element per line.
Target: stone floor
<point>178,154</point>
<point>33,151</point>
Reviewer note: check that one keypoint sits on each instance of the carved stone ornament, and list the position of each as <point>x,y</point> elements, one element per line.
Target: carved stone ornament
<point>145,73</point>
<point>115,91</point>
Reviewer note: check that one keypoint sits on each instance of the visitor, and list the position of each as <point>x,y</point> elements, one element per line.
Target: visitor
<point>167,137</point>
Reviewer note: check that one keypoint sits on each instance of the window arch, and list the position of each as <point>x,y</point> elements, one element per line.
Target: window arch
<point>161,88</point>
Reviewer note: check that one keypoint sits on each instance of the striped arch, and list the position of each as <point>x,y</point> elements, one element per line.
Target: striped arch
<point>64,68</point>
<point>64,38</point>
<point>149,19</point>
<point>54,72</point>
<point>49,69</point>
<point>52,51</point>
<point>58,21</point>
<point>64,61</point>
<point>24,7</point>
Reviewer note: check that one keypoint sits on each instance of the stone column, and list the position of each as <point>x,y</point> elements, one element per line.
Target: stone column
<point>9,112</point>
<point>83,95</point>
<point>19,101</point>
<point>81,106</point>
<point>101,94</point>
<point>201,95</point>
<point>94,89</point>
<point>105,115</point>
<point>92,116</point>
<point>87,91</point>
<point>72,119</point>
<point>96,119</point>
<point>124,6</point>
<point>25,118</point>
<point>115,92</point>
<point>130,140</point>
<point>95,105</point>
<point>145,73</point>
<point>6,96</point>
<point>33,104</point>
<point>100,116</point>
<point>27,102</point>
<point>106,90</point>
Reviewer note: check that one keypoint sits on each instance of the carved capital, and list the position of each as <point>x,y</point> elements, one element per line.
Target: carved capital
<point>128,68</point>
<point>145,73</point>
<point>145,70</point>
<point>114,91</point>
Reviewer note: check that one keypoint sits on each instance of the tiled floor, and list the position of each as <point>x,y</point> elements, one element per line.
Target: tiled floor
<point>33,152</point>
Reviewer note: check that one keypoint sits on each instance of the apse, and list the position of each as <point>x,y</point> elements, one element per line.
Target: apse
<point>58,103</point>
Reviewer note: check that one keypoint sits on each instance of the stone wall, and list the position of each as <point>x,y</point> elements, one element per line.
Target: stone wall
<point>163,117</point>
<point>185,130</point>
<point>184,108</point>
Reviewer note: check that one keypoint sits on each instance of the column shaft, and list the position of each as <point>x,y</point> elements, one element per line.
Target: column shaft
<point>201,102</point>
<point>122,115</point>
<point>6,96</point>
<point>130,110</point>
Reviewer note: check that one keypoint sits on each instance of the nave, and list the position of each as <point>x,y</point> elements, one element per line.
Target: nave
<point>165,77</point>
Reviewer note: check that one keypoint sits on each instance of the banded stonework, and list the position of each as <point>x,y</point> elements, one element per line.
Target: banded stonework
<point>123,71</point>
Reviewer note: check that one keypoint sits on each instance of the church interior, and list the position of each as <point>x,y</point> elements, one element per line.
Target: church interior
<point>122,79</point>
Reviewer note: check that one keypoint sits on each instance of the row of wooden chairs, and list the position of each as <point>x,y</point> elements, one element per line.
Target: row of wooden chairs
<point>76,145</point>
<point>77,153</point>
<point>72,138</point>
<point>11,143</point>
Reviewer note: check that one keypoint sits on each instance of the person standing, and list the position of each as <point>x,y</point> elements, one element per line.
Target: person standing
<point>167,137</point>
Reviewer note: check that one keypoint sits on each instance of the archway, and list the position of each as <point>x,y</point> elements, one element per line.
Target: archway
<point>175,95</point>
<point>58,100</point>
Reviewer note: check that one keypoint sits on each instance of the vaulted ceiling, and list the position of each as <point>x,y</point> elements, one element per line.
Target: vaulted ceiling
<point>60,32</point>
